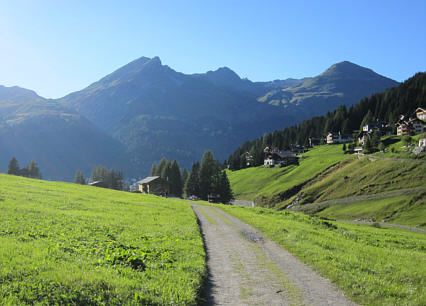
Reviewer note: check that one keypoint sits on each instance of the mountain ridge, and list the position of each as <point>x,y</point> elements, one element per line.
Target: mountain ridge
<point>155,111</point>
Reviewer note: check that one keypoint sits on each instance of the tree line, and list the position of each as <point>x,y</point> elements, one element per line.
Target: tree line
<point>31,170</point>
<point>111,178</point>
<point>387,106</point>
<point>208,178</point>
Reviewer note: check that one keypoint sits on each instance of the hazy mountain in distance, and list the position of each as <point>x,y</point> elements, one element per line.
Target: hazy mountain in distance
<point>342,83</point>
<point>59,139</point>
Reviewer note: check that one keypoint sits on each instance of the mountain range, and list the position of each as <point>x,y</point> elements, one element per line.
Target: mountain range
<point>146,110</point>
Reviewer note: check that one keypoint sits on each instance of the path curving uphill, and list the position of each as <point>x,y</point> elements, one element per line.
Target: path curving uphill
<point>245,268</point>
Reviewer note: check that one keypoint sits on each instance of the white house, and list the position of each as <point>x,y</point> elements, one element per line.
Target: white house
<point>334,137</point>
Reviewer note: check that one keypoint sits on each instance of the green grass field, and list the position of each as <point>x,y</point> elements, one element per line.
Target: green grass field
<point>365,176</point>
<point>250,183</point>
<point>407,210</point>
<point>396,148</point>
<point>373,266</point>
<point>69,244</point>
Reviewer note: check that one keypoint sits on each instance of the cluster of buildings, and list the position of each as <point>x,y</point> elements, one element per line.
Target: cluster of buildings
<point>412,125</point>
<point>279,158</point>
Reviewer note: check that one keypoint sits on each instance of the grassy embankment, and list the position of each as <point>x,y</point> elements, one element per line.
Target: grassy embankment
<point>368,189</point>
<point>344,190</point>
<point>247,184</point>
<point>69,244</point>
<point>374,266</point>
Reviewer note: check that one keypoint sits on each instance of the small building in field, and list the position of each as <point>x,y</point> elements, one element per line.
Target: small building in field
<point>275,157</point>
<point>337,137</point>
<point>314,141</point>
<point>421,113</point>
<point>380,126</point>
<point>98,184</point>
<point>154,185</point>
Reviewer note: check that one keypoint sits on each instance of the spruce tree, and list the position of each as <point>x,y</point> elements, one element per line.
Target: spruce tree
<point>192,184</point>
<point>226,194</point>
<point>184,175</point>
<point>153,171</point>
<point>208,169</point>
<point>163,164</point>
<point>33,170</point>
<point>79,178</point>
<point>175,180</point>
<point>13,167</point>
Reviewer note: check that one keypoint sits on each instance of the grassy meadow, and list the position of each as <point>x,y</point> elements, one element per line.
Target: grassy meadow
<point>250,183</point>
<point>409,210</point>
<point>70,244</point>
<point>373,266</point>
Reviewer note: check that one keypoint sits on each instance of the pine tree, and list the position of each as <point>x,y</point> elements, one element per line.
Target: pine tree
<point>153,171</point>
<point>184,175</point>
<point>33,170</point>
<point>175,180</point>
<point>368,147</point>
<point>226,194</point>
<point>79,178</point>
<point>208,169</point>
<point>192,184</point>
<point>13,167</point>
<point>99,173</point>
<point>161,166</point>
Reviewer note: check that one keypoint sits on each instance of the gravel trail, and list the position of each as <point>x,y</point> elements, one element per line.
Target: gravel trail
<point>245,268</point>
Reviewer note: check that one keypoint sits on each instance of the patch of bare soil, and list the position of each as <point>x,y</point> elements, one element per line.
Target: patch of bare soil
<point>245,268</point>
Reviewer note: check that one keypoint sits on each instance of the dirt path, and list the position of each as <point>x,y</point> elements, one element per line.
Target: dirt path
<point>245,268</point>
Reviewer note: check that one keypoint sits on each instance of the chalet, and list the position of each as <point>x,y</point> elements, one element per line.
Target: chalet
<point>314,141</point>
<point>249,159</point>
<point>154,185</point>
<point>379,126</point>
<point>409,126</point>
<point>275,157</point>
<point>421,113</point>
<point>333,137</point>
<point>298,149</point>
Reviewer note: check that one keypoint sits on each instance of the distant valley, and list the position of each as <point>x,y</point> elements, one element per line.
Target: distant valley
<point>145,110</point>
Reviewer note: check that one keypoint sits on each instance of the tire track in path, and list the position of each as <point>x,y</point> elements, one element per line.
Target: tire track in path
<point>245,268</point>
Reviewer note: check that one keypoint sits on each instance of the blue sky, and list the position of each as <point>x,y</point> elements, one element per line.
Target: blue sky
<point>56,47</point>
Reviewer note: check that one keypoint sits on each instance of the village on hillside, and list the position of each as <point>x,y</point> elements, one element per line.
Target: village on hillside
<point>360,142</point>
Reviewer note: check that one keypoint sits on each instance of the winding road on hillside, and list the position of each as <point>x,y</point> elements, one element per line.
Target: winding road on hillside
<point>245,268</point>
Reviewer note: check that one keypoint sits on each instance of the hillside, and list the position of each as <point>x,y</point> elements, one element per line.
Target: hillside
<point>253,183</point>
<point>79,245</point>
<point>328,183</point>
<point>59,139</point>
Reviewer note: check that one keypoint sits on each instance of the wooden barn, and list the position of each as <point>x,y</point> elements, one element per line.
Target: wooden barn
<point>154,185</point>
